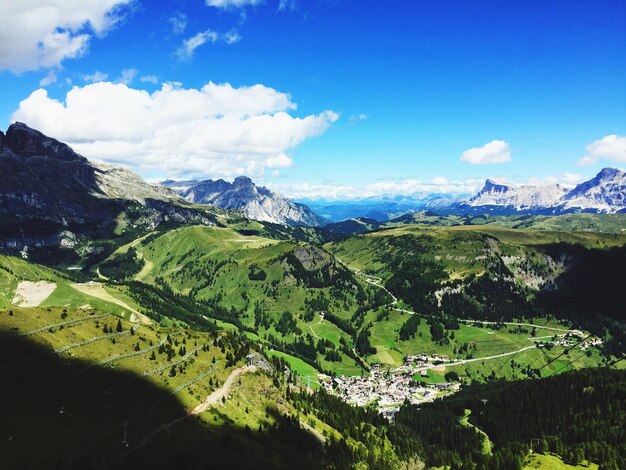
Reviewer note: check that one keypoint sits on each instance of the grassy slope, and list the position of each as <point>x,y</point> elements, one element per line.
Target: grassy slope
<point>186,259</point>
<point>13,270</point>
<point>458,249</point>
<point>552,462</point>
<point>601,223</point>
<point>95,416</point>
<point>28,319</point>
<point>250,409</point>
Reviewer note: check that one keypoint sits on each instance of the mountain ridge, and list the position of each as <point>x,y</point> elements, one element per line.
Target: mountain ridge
<point>257,202</point>
<point>604,193</point>
<point>50,195</point>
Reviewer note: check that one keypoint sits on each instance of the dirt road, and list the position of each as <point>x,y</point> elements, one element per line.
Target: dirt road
<point>211,400</point>
<point>215,397</point>
<point>95,289</point>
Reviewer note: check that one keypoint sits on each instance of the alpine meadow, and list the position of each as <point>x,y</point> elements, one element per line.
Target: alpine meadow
<point>293,234</point>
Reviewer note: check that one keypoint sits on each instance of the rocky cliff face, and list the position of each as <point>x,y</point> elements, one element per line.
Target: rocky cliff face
<point>257,202</point>
<point>49,193</point>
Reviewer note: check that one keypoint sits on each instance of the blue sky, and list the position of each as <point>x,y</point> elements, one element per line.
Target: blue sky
<point>355,98</point>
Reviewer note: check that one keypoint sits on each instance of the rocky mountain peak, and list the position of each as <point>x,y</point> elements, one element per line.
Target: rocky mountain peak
<point>257,202</point>
<point>25,141</point>
<point>242,181</point>
<point>605,192</point>
<point>493,186</point>
<point>47,190</point>
<point>609,173</point>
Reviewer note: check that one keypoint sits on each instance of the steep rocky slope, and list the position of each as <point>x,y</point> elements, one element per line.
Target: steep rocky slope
<point>49,194</point>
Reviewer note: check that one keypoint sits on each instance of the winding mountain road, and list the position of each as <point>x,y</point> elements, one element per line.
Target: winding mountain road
<point>377,282</point>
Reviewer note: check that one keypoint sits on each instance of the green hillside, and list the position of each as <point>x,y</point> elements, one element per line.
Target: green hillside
<point>170,316</point>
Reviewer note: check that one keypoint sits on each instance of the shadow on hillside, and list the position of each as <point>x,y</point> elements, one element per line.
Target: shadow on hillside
<point>591,291</point>
<point>592,283</point>
<point>54,416</point>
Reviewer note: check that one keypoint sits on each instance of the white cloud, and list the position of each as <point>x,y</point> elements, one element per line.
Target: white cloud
<point>48,79</point>
<point>279,161</point>
<point>149,79</point>
<point>231,3</point>
<point>232,37</point>
<point>611,147</point>
<point>97,76</point>
<point>178,23</point>
<point>216,130</point>
<point>185,51</point>
<point>400,187</point>
<point>354,118</point>
<point>36,34</point>
<point>409,187</point>
<point>564,179</point>
<point>127,76</point>
<point>496,151</point>
<point>284,5</point>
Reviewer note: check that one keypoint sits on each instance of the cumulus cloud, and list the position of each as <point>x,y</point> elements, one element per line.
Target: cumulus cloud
<point>215,131</point>
<point>127,76</point>
<point>97,76</point>
<point>232,37</point>
<point>48,79</point>
<point>410,187</point>
<point>36,34</point>
<point>149,79</point>
<point>496,151</point>
<point>611,147</point>
<point>186,50</point>
<point>231,3</point>
<point>178,23</point>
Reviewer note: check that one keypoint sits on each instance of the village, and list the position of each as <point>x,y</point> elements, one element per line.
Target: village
<point>390,388</point>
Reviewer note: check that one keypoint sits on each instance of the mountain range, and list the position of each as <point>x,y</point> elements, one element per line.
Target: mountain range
<point>49,194</point>
<point>257,202</point>
<point>604,193</point>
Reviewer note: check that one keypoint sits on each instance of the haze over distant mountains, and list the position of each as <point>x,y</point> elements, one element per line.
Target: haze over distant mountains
<point>604,193</point>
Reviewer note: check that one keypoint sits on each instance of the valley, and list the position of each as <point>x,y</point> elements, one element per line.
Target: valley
<point>164,331</point>
<point>197,304</point>
<point>312,235</point>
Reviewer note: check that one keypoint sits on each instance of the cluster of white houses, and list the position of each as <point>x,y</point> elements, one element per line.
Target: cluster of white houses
<point>389,389</point>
